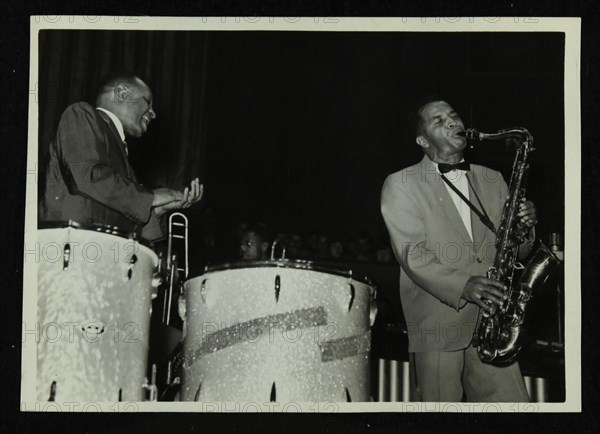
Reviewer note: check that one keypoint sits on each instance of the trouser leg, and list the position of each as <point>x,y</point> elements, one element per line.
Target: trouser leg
<point>484,382</point>
<point>436,376</point>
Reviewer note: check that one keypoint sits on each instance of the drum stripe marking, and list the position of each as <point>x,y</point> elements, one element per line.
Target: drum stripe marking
<point>345,347</point>
<point>238,333</point>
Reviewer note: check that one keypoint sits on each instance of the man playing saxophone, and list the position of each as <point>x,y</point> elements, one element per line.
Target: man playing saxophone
<point>445,247</point>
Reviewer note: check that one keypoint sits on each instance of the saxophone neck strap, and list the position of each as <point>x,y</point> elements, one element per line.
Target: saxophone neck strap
<point>483,215</point>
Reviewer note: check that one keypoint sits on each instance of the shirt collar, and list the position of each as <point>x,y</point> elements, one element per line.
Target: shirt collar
<point>116,121</point>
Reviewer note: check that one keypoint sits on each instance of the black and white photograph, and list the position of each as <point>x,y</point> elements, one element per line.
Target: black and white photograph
<point>302,214</point>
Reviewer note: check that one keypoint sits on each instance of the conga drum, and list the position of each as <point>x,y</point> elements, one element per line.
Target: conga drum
<point>95,288</point>
<point>277,330</point>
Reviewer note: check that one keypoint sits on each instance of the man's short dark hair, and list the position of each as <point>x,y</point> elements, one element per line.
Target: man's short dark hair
<point>457,98</point>
<point>260,230</point>
<point>114,78</point>
<point>418,109</point>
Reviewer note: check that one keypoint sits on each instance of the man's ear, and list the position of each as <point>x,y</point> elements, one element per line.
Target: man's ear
<point>422,142</point>
<point>123,91</point>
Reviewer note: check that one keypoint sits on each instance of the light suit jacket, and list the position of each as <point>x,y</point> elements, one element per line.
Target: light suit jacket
<point>436,253</point>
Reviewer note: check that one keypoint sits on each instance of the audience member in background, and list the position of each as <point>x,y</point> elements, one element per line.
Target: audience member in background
<point>322,247</point>
<point>384,250</point>
<point>336,250</point>
<point>313,244</point>
<point>295,248</point>
<point>254,244</point>
<point>364,247</point>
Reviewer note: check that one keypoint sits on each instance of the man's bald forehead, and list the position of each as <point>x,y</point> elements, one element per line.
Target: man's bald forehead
<point>127,78</point>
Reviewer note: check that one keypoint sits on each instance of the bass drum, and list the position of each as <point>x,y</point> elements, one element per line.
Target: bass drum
<point>277,331</point>
<point>94,304</point>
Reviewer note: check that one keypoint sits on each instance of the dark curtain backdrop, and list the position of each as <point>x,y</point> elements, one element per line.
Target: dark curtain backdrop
<point>173,64</point>
<point>300,129</point>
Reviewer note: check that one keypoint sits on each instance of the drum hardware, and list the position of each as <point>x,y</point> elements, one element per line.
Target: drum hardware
<point>178,230</point>
<point>157,279</point>
<point>557,248</point>
<point>273,397</point>
<point>173,224</point>
<point>52,391</point>
<point>132,262</point>
<point>169,390</point>
<point>373,308</point>
<point>275,243</point>
<point>156,282</point>
<point>197,395</point>
<point>203,291</point>
<point>168,298</point>
<point>277,287</point>
<point>151,389</point>
<point>175,272</point>
<point>92,328</point>
<point>348,397</point>
<point>352,294</point>
<point>66,255</point>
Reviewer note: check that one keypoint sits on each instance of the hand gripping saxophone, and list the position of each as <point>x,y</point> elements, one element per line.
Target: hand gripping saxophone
<point>497,332</point>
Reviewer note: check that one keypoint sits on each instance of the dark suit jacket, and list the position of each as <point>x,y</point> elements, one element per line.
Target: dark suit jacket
<point>435,252</point>
<point>89,180</point>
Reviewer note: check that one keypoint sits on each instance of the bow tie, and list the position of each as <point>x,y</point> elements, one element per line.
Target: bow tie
<point>445,168</point>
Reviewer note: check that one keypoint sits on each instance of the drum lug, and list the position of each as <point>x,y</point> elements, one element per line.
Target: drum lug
<point>277,289</point>
<point>197,394</point>
<point>52,392</point>
<point>203,291</point>
<point>352,295</point>
<point>93,328</point>
<point>273,397</point>
<point>348,397</point>
<point>66,255</point>
<point>373,308</point>
<point>132,263</point>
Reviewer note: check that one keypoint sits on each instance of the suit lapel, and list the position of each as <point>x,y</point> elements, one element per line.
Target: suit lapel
<point>443,198</point>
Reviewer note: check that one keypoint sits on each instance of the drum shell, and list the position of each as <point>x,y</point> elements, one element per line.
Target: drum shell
<point>277,333</point>
<point>97,299</point>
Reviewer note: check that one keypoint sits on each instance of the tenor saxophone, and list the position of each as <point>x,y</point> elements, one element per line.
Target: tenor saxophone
<point>498,332</point>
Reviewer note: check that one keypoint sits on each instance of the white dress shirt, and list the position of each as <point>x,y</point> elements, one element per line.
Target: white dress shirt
<point>118,124</point>
<point>459,179</point>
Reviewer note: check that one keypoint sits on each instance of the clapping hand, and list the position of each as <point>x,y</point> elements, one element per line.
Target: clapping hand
<point>193,194</point>
<point>185,199</point>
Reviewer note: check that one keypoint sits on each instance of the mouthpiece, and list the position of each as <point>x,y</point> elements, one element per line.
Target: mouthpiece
<point>470,134</point>
<point>516,132</point>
